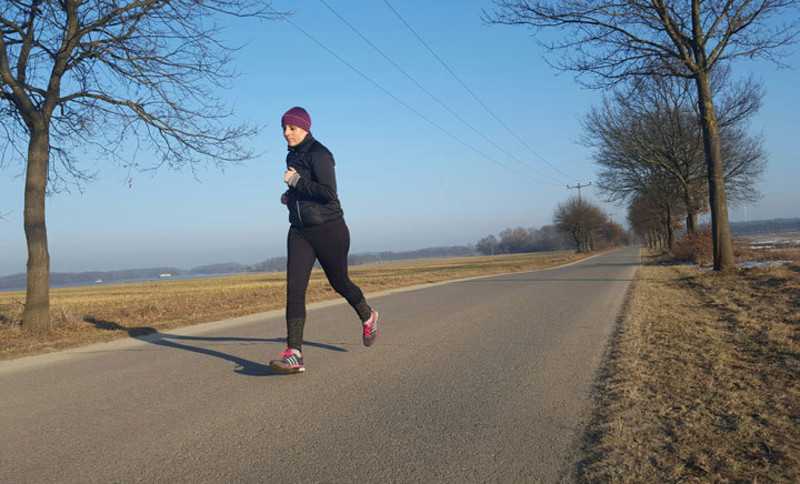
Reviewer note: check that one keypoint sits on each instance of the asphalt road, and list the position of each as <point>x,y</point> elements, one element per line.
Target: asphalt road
<point>481,380</point>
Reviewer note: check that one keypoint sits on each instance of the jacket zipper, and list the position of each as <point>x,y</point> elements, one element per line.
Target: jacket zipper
<point>299,217</point>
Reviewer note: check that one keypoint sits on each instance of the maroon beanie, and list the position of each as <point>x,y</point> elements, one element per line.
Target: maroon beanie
<point>297,116</point>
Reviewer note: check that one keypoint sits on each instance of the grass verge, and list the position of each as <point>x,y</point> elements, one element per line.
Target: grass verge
<point>702,383</point>
<point>94,314</point>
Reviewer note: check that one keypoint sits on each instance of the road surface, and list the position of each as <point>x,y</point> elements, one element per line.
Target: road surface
<point>481,380</point>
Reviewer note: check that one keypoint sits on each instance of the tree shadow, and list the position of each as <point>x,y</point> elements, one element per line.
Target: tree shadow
<point>5,320</point>
<point>243,366</point>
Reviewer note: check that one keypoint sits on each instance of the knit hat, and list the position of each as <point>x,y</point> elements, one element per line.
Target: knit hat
<point>297,116</point>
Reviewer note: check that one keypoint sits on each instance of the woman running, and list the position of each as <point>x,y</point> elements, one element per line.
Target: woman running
<point>317,232</point>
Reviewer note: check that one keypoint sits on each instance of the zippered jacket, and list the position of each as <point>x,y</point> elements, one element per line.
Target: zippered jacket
<point>312,198</point>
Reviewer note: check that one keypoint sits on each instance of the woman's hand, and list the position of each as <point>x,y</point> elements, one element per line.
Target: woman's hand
<point>289,173</point>
<point>285,198</point>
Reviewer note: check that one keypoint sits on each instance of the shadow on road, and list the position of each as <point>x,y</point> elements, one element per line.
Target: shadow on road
<point>243,366</point>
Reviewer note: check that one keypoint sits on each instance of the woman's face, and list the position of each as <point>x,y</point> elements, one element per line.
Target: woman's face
<point>294,135</point>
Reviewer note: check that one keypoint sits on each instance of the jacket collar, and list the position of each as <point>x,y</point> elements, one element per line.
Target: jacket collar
<point>303,146</point>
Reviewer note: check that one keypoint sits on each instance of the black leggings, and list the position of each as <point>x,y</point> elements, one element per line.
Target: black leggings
<point>329,243</point>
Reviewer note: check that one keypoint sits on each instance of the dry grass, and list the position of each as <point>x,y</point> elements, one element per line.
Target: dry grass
<point>92,314</point>
<point>703,380</point>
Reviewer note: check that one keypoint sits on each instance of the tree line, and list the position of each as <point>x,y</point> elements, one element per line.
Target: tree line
<point>579,225</point>
<point>676,47</point>
<point>520,240</point>
<point>648,142</point>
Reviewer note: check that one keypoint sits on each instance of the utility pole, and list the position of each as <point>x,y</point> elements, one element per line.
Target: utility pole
<point>579,186</point>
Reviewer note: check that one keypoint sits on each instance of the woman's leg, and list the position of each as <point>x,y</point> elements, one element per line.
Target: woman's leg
<point>332,245</point>
<point>301,256</point>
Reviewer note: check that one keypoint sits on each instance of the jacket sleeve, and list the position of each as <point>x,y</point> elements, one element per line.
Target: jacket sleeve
<point>322,185</point>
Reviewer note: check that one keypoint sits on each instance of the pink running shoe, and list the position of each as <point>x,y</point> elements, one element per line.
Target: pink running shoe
<point>288,362</point>
<point>370,328</point>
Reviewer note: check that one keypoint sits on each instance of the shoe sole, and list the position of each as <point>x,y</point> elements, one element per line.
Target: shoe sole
<point>286,371</point>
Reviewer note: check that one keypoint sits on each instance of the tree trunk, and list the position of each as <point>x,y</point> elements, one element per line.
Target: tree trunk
<point>36,317</point>
<point>691,222</point>
<point>720,229</point>
<point>670,230</point>
<point>691,210</point>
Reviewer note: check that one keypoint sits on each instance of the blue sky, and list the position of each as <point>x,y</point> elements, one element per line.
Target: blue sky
<point>405,181</point>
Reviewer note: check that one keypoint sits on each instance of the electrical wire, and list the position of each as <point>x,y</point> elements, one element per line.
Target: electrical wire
<point>432,96</point>
<point>474,96</point>
<point>407,106</point>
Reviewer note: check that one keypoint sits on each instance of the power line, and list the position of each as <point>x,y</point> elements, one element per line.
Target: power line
<point>475,96</point>
<point>406,105</point>
<point>432,96</point>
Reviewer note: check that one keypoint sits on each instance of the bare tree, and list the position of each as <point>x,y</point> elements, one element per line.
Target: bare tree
<point>647,222</point>
<point>745,162</point>
<point>666,197</point>
<point>111,77</point>
<point>652,129</point>
<point>518,240</point>
<point>581,220</point>
<point>487,245</point>
<point>552,239</point>
<point>611,234</point>
<point>615,41</point>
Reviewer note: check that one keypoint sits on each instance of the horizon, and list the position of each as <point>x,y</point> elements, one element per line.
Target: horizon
<point>250,265</point>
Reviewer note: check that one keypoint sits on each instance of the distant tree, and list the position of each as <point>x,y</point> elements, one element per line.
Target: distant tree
<point>644,219</point>
<point>611,234</point>
<point>107,76</point>
<point>667,198</point>
<point>654,217</point>
<point>615,41</point>
<point>488,245</point>
<point>550,239</point>
<point>274,264</point>
<point>580,220</point>
<point>520,240</point>
<point>517,240</point>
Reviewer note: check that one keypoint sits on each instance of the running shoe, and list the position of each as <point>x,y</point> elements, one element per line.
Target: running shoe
<point>370,329</point>
<point>288,362</point>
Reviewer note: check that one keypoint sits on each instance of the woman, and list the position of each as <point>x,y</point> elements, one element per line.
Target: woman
<point>317,232</point>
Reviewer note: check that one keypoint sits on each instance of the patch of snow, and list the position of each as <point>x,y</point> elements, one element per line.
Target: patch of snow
<point>756,263</point>
<point>765,263</point>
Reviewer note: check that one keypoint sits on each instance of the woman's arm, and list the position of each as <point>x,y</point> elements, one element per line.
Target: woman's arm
<point>323,185</point>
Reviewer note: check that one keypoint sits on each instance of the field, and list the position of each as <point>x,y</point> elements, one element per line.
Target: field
<point>92,314</point>
<point>771,243</point>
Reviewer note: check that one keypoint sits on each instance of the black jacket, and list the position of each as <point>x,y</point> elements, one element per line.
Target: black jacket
<point>313,199</point>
